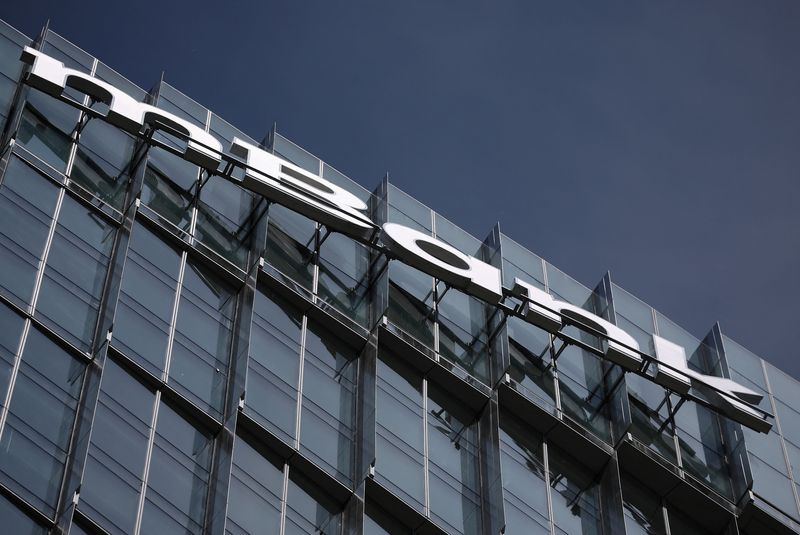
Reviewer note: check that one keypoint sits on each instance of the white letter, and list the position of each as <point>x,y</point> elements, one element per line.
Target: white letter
<point>444,262</point>
<point>303,192</point>
<point>735,404</point>
<point>613,349</point>
<point>49,75</point>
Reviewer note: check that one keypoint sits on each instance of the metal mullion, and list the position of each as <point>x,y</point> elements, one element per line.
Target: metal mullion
<point>174,319</point>
<point>147,459</point>
<point>301,372</point>
<point>48,243</point>
<point>548,488</point>
<point>14,372</point>
<point>75,134</point>
<point>425,459</point>
<point>779,429</point>
<point>284,498</point>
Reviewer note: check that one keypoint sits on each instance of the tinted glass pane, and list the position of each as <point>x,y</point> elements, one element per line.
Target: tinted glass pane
<point>101,161</point>
<point>45,127</point>
<point>274,365</point>
<point>178,480</point>
<point>75,273</point>
<point>112,479</point>
<point>399,431</point>
<point>34,444</point>
<point>524,487</point>
<point>144,310</point>
<point>254,504</point>
<point>453,464</point>
<point>326,422</point>
<point>200,353</point>
<point>27,202</point>
<point>17,522</point>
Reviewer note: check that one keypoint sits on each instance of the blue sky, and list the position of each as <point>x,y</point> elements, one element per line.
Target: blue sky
<point>657,140</point>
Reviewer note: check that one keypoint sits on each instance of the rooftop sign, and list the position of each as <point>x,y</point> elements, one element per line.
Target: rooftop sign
<point>341,211</point>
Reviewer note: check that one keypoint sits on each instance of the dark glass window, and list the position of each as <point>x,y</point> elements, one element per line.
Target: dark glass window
<point>326,421</point>
<point>200,353</point>
<point>453,467</point>
<point>75,273</point>
<point>10,330</point>
<point>524,479</point>
<point>33,448</point>
<point>642,508</point>
<point>169,187</point>
<point>101,161</point>
<point>274,365</point>
<point>45,128</point>
<point>27,203</point>
<point>309,513</point>
<point>178,477</point>
<point>146,300</point>
<point>17,522</point>
<point>254,501</point>
<point>290,244</point>
<point>112,480</point>
<point>399,446</point>
<point>575,495</point>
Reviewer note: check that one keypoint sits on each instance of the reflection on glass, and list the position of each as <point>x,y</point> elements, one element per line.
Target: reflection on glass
<point>524,479</point>
<point>101,162</point>
<point>45,128</point>
<point>175,499</point>
<point>453,475</point>
<point>75,273</point>
<point>399,430</point>
<point>112,479</point>
<point>200,352</point>
<point>326,421</point>
<point>35,440</point>
<point>254,500</point>
<point>146,299</point>
<point>274,365</point>
<point>27,202</point>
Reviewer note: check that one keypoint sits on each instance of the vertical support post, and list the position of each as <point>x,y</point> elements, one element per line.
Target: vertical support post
<point>492,509</point>
<point>732,432</point>
<point>216,512</point>
<point>90,390</point>
<point>616,391</point>
<point>499,353</point>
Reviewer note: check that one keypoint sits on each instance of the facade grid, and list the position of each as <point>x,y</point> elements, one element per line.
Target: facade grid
<point>179,354</point>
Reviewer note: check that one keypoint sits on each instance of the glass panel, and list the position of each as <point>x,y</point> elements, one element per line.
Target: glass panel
<point>274,365</point>
<point>524,486</point>
<point>343,277</point>
<point>17,522</point>
<point>530,362</point>
<point>226,219</point>
<point>642,509</point>
<point>454,475</point>
<point>146,300</point>
<point>254,500</point>
<point>27,202</point>
<point>45,128</point>
<point>75,274</point>
<point>34,444</point>
<point>112,479</point>
<point>326,422</point>
<point>101,161</point>
<point>178,478</point>
<point>307,514</point>
<point>575,495</point>
<point>399,431</point>
<point>289,151</point>
<point>169,187</point>
<point>290,244</point>
<point>201,349</point>
<point>10,330</point>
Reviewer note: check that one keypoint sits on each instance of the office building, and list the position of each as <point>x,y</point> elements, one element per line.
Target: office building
<point>192,344</point>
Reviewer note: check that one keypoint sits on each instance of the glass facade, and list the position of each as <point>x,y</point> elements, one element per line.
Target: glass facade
<point>179,354</point>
